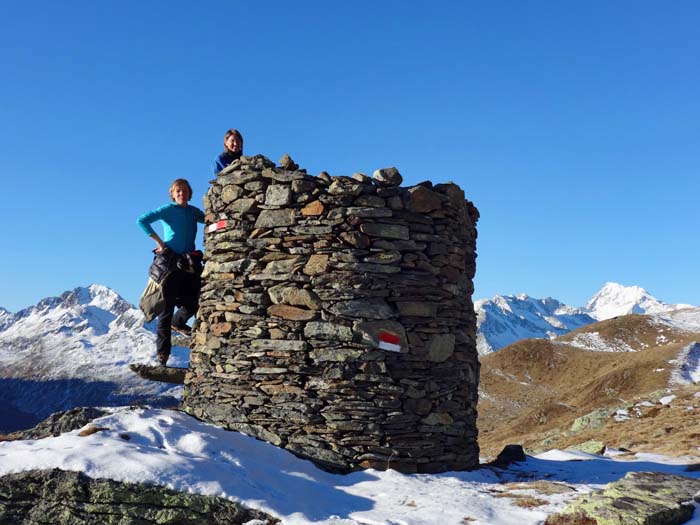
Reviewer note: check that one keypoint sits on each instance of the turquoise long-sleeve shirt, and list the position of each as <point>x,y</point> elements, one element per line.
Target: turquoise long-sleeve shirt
<point>179,225</point>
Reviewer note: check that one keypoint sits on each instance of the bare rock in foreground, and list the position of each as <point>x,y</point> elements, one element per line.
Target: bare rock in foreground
<point>60,497</point>
<point>650,498</point>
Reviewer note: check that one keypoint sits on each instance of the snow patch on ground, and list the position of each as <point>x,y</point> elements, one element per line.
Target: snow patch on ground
<point>687,319</point>
<point>593,341</point>
<point>666,400</point>
<point>173,449</point>
<point>687,366</point>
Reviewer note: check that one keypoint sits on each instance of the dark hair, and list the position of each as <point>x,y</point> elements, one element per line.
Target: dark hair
<point>238,135</point>
<point>180,182</point>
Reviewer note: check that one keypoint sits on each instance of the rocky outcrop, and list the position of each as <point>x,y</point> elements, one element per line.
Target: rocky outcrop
<point>54,496</point>
<point>336,317</point>
<point>58,423</point>
<point>649,498</point>
<point>509,455</point>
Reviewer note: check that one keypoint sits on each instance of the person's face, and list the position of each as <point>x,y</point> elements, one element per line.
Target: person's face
<point>181,195</point>
<point>232,143</point>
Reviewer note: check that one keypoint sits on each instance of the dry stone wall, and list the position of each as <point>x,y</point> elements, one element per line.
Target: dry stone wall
<point>336,317</point>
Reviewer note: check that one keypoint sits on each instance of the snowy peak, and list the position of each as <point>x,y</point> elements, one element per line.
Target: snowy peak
<point>82,313</point>
<point>95,295</point>
<point>93,308</point>
<point>614,300</point>
<point>6,319</point>
<point>74,350</point>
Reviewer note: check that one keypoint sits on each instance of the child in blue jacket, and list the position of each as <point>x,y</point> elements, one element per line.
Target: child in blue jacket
<point>180,288</point>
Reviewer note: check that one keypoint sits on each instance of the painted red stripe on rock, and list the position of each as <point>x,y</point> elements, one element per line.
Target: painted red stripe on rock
<point>389,338</point>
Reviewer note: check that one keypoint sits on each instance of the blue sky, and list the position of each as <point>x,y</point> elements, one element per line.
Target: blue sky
<point>572,126</point>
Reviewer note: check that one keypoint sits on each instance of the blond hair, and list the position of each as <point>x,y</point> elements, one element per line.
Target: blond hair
<point>180,183</point>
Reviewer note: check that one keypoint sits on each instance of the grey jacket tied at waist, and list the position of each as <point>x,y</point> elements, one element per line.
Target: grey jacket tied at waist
<point>165,262</point>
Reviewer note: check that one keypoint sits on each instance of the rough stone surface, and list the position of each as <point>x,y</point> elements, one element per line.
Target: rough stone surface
<point>424,200</point>
<point>291,313</point>
<point>441,347</point>
<point>59,497</point>
<point>336,318</point>
<point>330,331</point>
<point>510,454</point>
<point>58,423</point>
<point>278,195</point>
<point>389,231</point>
<point>649,498</point>
<point>163,374</point>
<point>591,421</point>
<point>388,177</point>
<point>274,218</point>
<point>591,446</point>
<point>287,163</point>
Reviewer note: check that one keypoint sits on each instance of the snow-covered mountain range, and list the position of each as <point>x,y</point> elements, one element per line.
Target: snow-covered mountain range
<point>503,320</point>
<point>75,350</point>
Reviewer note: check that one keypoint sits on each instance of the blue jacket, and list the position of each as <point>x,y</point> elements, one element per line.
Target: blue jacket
<point>179,225</point>
<point>224,159</point>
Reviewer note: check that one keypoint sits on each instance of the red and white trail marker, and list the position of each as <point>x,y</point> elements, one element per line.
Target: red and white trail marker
<point>389,341</point>
<point>216,226</point>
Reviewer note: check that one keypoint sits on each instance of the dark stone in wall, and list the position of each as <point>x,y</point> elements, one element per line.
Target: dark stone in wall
<point>336,317</point>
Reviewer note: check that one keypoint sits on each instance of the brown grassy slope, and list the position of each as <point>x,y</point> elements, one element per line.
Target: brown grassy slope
<point>639,332</point>
<point>535,389</point>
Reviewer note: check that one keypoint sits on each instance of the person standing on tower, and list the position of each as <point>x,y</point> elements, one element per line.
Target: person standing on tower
<point>176,262</point>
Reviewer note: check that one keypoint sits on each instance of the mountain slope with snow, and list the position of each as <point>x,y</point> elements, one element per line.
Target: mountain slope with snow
<point>74,350</point>
<point>534,391</point>
<point>503,320</point>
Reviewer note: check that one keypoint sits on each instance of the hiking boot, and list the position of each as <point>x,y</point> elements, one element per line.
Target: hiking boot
<point>162,359</point>
<point>183,329</point>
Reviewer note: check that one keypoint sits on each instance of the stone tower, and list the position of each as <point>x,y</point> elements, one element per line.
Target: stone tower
<point>336,317</point>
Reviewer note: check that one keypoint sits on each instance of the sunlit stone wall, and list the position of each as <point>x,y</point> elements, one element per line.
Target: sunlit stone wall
<point>336,317</point>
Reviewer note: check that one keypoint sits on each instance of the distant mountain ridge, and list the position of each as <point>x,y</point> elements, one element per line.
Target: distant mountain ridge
<point>74,350</point>
<point>503,320</point>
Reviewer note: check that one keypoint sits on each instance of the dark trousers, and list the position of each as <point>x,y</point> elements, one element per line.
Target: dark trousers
<point>181,289</point>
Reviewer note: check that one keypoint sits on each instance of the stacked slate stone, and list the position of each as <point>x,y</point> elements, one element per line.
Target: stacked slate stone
<point>336,317</point>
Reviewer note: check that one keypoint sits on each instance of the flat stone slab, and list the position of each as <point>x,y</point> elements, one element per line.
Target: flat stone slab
<point>649,498</point>
<point>163,374</point>
<point>55,496</point>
